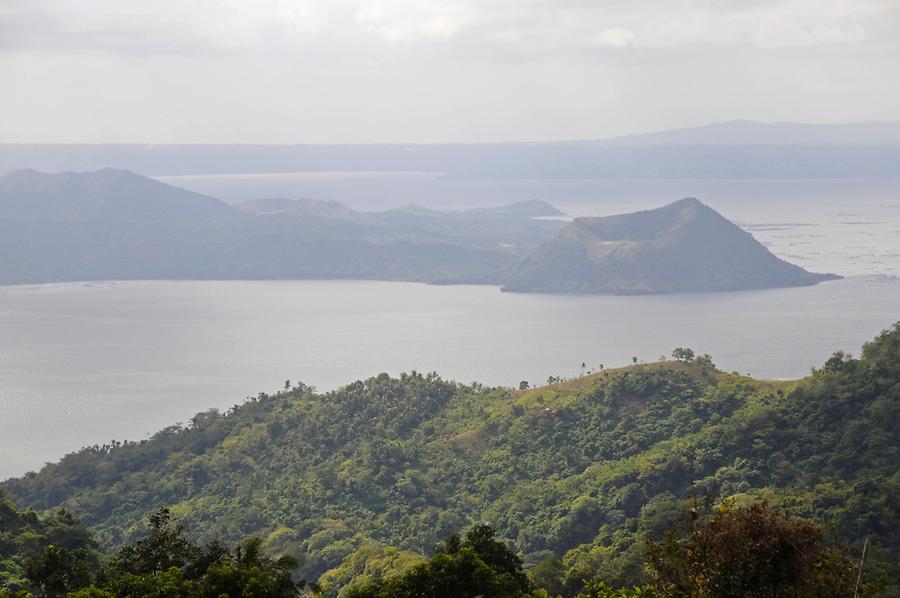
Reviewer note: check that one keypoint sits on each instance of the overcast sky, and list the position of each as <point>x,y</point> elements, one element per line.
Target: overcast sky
<point>336,71</point>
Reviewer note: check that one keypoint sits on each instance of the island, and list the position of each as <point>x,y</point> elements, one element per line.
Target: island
<point>684,247</point>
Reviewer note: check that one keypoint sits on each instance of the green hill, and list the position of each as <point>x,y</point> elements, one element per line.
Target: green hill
<point>362,480</point>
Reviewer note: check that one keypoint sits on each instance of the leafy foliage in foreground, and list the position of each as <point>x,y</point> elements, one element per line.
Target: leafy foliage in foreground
<point>23,533</point>
<point>478,565</point>
<point>749,552</point>
<point>578,476</point>
<point>753,553</point>
<point>164,563</point>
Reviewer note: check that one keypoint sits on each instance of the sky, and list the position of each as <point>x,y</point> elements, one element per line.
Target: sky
<point>344,71</point>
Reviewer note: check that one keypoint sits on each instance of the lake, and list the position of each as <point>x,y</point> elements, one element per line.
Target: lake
<point>85,363</point>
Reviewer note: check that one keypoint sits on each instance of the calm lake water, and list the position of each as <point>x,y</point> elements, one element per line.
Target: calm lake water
<point>85,363</point>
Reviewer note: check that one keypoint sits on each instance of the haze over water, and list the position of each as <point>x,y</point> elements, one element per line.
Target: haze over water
<point>148,354</point>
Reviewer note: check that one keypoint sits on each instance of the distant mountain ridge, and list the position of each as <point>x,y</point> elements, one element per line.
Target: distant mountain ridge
<point>685,246</point>
<point>117,225</point>
<point>748,132</point>
<point>734,149</point>
<point>107,194</point>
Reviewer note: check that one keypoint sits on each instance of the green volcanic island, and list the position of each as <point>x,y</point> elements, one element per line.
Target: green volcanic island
<point>684,247</point>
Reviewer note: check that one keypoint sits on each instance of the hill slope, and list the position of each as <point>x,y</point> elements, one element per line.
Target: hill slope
<point>106,197</point>
<point>586,468</point>
<point>682,247</point>
<point>114,224</point>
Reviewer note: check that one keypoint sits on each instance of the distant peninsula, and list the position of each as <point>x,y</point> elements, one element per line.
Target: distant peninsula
<point>114,224</point>
<point>118,225</point>
<point>684,247</point>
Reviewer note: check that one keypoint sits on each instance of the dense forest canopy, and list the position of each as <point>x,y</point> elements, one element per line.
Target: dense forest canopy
<point>751,552</point>
<point>577,477</point>
<point>24,533</point>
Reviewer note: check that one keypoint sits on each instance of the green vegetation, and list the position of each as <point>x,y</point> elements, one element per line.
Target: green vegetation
<point>752,552</point>
<point>164,563</point>
<point>23,533</point>
<point>749,552</point>
<point>479,565</point>
<point>579,477</point>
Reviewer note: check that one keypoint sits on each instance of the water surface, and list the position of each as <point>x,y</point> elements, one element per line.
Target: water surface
<point>86,363</point>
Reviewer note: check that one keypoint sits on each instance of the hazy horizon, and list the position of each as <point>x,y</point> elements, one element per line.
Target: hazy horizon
<point>625,136</point>
<point>399,71</point>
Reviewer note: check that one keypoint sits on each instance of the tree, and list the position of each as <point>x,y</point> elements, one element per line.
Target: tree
<point>166,547</point>
<point>166,563</point>
<point>56,571</point>
<point>479,565</point>
<point>598,589</point>
<point>548,574</point>
<point>523,385</point>
<point>836,362</point>
<point>252,554</point>
<point>683,354</point>
<point>705,362</point>
<point>752,552</point>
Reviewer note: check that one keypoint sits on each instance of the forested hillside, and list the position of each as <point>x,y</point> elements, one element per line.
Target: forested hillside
<point>23,533</point>
<point>577,475</point>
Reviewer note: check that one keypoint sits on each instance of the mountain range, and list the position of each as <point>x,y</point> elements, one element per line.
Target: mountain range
<point>118,225</point>
<point>115,224</point>
<point>735,149</point>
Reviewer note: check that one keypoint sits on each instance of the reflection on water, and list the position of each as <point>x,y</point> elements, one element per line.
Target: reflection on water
<point>85,363</point>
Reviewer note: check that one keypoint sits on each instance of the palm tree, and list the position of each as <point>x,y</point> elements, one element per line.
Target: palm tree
<point>252,554</point>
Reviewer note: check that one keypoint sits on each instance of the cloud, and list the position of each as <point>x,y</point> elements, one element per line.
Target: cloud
<point>781,24</point>
<point>615,38</point>
<point>785,32</point>
<point>435,70</point>
<point>407,22</point>
<point>134,26</point>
